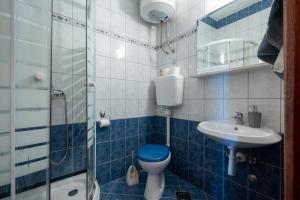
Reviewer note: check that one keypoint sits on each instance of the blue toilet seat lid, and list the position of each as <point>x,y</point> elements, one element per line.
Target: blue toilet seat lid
<point>153,153</point>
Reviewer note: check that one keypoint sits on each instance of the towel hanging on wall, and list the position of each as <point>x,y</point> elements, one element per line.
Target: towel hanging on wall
<point>272,42</point>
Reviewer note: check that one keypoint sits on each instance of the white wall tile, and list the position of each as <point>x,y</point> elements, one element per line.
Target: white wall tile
<point>102,45</point>
<point>102,66</point>
<point>117,109</point>
<point>132,90</point>
<point>182,112</point>
<point>4,99</point>
<point>117,89</point>
<point>58,111</point>
<point>117,69</point>
<point>102,88</point>
<point>213,109</point>
<point>103,17</point>
<point>63,7</point>
<point>117,23</point>
<point>236,85</point>
<point>102,106</point>
<point>79,108</point>
<point>263,84</point>
<point>196,110</point>
<point>214,87</point>
<point>61,60</point>
<point>117,49</point>
<point>270,109</point>
<point>36,99</point>
<point>79,86</point>
<point>26,119</point>
<point>63,82</point>
<point>132,71</point>
<point>231,106</point>
<point>196,88</point>
<point>132,52</point>
<point>144,73</point>
<point>182,47</point>
<point>62,34</point>
<point>4,122</point>
<point>146,108</point>
<point>132,108</point>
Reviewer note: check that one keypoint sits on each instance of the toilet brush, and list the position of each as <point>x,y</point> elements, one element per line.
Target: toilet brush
<point>132,177</point>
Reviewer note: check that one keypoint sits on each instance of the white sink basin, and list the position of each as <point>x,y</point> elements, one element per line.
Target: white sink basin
<point>237,136</point>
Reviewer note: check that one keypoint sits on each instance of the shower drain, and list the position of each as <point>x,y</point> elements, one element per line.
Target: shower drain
<point>73,192</point>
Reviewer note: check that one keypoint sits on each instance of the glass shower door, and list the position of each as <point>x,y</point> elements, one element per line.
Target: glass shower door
<point>91,139</point>
<point>5,98</point>
<point>32,98</point>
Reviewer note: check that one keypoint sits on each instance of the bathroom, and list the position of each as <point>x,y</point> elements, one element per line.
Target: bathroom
<point>142,99</point>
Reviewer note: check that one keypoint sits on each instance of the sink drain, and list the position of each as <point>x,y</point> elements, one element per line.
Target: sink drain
<point>73,192</point>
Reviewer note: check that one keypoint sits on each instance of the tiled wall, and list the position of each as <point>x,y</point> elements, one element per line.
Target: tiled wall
<point>116,143</point>
<point>219,97</point>
<point>204,163</point>
<point>125,69</point>
<point>69,75</point>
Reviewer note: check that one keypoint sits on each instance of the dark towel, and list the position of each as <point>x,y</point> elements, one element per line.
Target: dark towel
<point>273,40</point>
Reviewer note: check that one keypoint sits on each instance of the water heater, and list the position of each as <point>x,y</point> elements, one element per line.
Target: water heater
<point>155,11</point>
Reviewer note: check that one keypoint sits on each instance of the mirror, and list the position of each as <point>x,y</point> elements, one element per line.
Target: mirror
<point>228,38</point>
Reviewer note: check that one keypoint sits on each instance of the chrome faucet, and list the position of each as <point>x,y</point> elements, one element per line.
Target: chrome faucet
<point>238,117</point>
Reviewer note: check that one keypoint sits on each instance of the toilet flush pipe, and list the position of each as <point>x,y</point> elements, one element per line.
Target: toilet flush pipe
<point>231,162</point>
<point>168,113</point>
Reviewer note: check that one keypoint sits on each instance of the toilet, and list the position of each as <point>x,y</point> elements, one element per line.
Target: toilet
<point>154,158</point>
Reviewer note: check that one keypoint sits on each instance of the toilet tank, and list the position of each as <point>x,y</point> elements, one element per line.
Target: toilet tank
<point>169,90</point>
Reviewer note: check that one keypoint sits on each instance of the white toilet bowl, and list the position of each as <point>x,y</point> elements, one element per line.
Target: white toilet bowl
<point>155,180</point>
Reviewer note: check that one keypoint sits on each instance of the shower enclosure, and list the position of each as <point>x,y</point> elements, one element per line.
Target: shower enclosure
<point>47,118</point>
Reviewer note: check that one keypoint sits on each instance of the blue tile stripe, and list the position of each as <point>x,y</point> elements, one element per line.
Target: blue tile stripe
<point>241,14</point>
<point>31,146</point>
<point>31,161</point>
<point>31,128</point>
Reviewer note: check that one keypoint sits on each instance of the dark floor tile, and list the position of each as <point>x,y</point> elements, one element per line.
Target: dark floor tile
<point>234,191</point>
<point>170,191</point>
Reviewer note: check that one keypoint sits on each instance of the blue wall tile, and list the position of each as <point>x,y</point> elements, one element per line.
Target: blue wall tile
<point>214,160</point>
<point>182,129</point>
<point>182,168</point>
<point>102,134</point>
<point>79,134</point>
<point>102,152</point>
<point>58,137</point>
<point>65,167</point>
<point>194,135</point>
<point>117,149</point>
<point>132,128</point>
<point>268,180</point>
<point>161,125</point>
<point>79,159</point>
<point>182,149</point>
<point>132,144</point>
<point>117,168</point>
<point>103,173</point>
<point>30,180</point>
<point>214,185</point>
<point>117,129</point>
<point>196,175</point>
<point>196,152</point>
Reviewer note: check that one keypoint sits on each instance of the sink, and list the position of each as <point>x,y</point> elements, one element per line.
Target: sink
<point>238,136</point>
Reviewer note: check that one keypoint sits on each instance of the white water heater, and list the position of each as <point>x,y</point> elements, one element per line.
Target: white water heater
<point>155,11</point>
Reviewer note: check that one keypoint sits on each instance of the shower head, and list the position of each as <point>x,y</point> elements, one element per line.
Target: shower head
<point>57,93</point>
